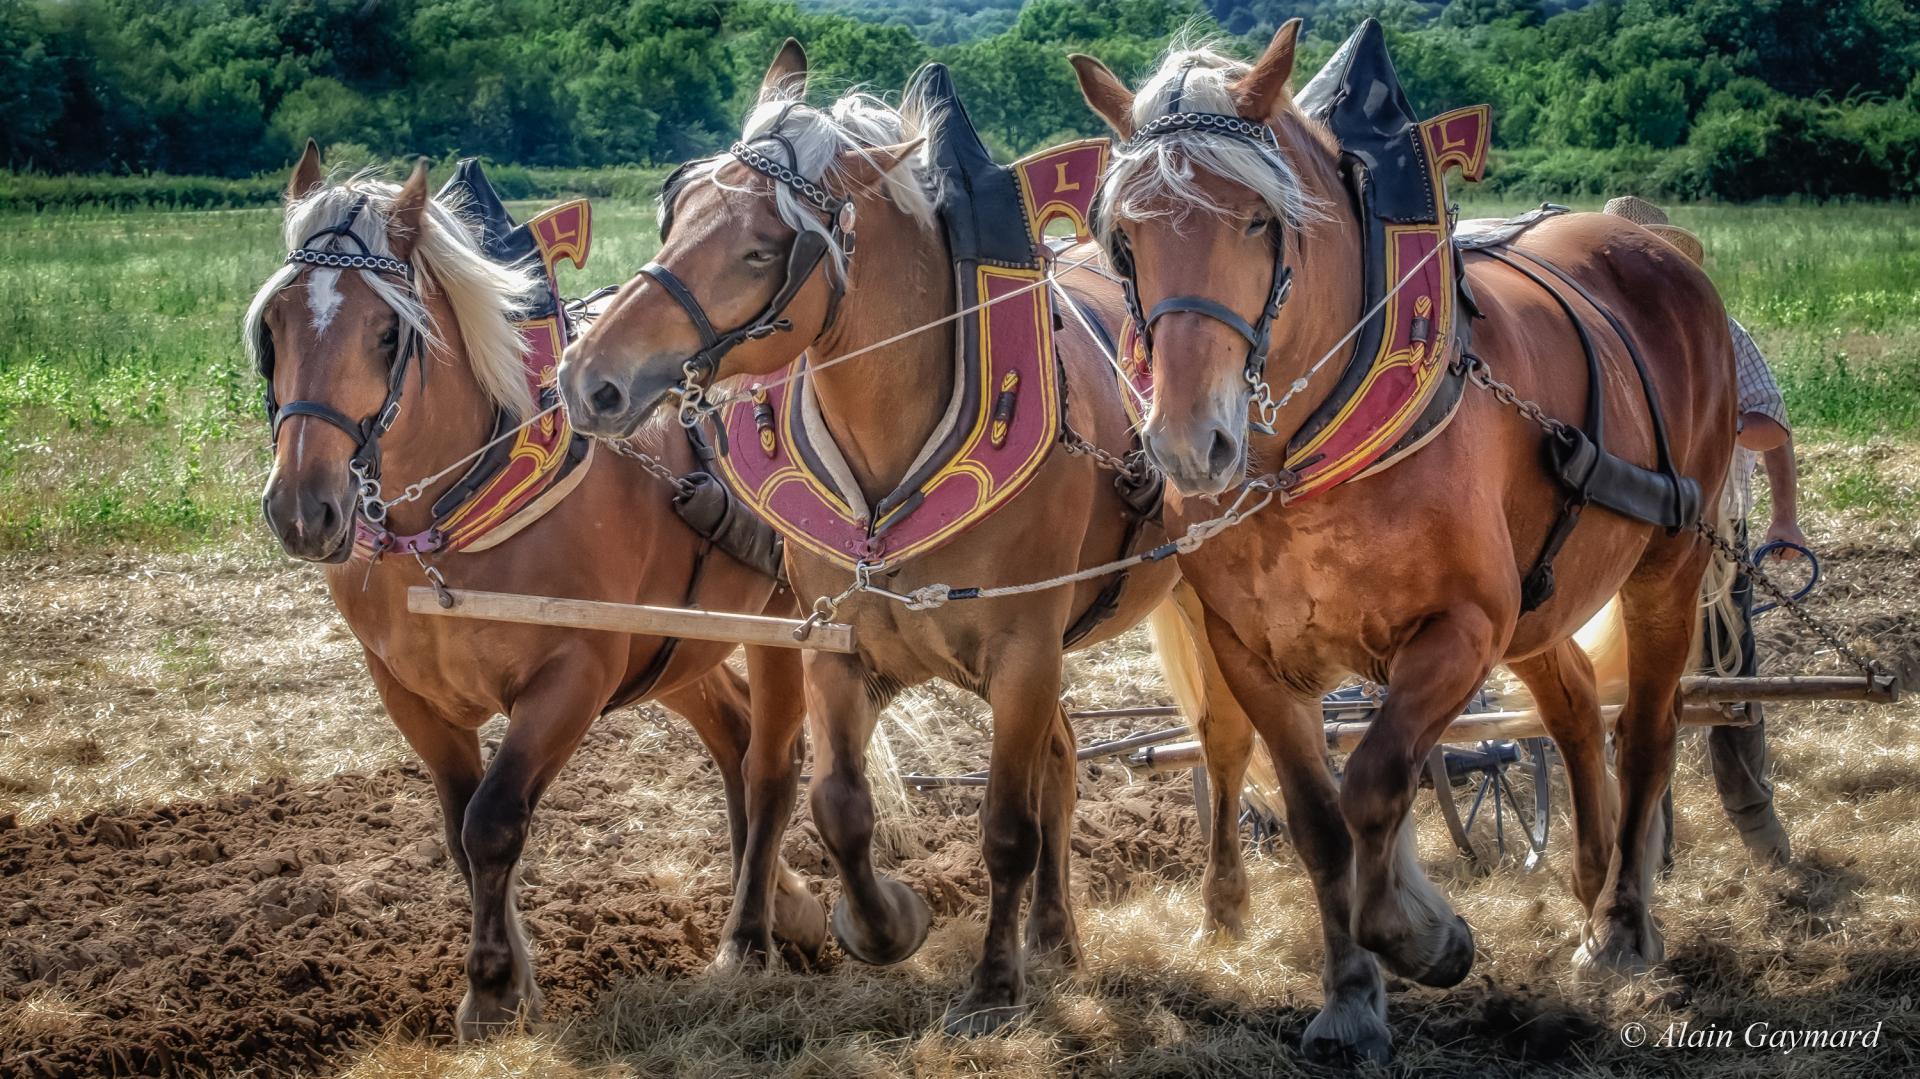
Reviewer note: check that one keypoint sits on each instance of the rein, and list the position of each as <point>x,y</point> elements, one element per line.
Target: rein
<point>1253,496</point>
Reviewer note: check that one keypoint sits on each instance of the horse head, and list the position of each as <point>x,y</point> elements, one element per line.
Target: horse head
<point>381,282</point>
<point>1207,209</point>
<point>755,246</point>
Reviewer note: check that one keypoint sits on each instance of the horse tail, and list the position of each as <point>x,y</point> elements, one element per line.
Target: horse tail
<point>1604,640</point>
<point>1719,653</point>
<point>1176,644</point>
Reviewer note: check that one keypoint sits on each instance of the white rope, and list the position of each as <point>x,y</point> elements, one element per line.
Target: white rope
<point>419,487</point>
<point>811,368</point>
<point>1100,342</point>
<point>1268,486</point>
<point>1301,382</point>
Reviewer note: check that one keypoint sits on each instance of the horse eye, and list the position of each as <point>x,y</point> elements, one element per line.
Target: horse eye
<point>1257,226</point>
<point>760,258</point>
<point>390,337</point>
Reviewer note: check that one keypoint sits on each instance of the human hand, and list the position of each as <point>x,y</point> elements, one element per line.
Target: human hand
<point>1784,531</point>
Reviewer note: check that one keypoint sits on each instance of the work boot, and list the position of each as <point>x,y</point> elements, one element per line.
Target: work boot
<point>1766,840</point>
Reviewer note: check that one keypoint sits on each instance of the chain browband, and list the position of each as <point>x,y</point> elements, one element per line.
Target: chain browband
<point>1257,333</point>
<point>808,251</point>
<point>1207,123</point>
<point>375,263</point>
<point>799,184</point>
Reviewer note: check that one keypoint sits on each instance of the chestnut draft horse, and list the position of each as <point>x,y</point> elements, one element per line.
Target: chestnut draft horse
<point>1409,576</point>
<point>734,229</point>
<point>335,338</point>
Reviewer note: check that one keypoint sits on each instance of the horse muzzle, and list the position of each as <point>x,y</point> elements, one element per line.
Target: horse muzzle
<point>312,526</point>
<point>611,404</point>
<point>1205,460</point>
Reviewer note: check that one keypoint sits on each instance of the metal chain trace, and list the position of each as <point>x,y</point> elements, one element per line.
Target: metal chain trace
<point>1480,375</point>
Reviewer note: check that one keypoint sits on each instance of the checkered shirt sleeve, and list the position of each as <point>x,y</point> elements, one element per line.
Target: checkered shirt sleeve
<point>1758,391</point>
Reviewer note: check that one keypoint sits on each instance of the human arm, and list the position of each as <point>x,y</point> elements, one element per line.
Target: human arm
<point>1783,484</point>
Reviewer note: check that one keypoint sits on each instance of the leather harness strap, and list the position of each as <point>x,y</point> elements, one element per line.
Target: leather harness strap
<point>1579,456</point>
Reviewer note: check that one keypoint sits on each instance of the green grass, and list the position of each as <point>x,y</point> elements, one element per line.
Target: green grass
<point>128,415</point>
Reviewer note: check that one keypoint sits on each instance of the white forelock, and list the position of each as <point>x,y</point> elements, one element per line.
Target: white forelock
<point>856,123</point>
<point>1156,177</point>
<point>483,294</point>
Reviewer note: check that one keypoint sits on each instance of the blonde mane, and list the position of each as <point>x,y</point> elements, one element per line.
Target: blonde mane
<point>483,294</point>
<point>857,122</point>
<point>1155,178</point>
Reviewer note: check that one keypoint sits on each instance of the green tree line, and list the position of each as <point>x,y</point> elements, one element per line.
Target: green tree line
<point>1700,98</point>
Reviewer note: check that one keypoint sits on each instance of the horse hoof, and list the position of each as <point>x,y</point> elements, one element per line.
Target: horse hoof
<point>1446,967</point>
<point>741,957</point>
<point>1614,961</point>
<point>1349,1034</point>
<point>487,1015</point>
<point>1215,930</point>
<point>1455,961</point>
<point>969,1020</point>
<point>1053,943</point>
<point>800,924</point>
<point>904,930</point>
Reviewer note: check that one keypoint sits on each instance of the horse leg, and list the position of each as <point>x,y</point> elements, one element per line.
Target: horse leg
<point>770,901</point>
<point>877,920</point>
<point>1051,933</point>
<point>1352,1024</point>
<point>1562,683</point>
<point>1398,913</point>
<point>450,752</point>
<point>1024,691</point>
<point>1226,738</point>
<point>1661,609</point>
<point>548,720</point>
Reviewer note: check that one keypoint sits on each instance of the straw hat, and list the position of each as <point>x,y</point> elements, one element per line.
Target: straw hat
<point>1654,220</point>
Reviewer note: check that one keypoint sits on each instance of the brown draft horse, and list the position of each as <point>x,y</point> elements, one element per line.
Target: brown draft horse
<point>1410,577</point>
<point>331,337</point>
<point>732,232</point>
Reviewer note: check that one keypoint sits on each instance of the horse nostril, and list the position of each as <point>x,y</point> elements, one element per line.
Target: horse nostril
<point>1222,454</point>
<point>607,399</point>
<point>329,516</point>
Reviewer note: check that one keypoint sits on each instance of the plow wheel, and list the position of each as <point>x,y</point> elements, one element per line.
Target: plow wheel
<point>1495,797</point>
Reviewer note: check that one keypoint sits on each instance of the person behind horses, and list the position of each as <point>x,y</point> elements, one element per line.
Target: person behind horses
<point>1739,754</point>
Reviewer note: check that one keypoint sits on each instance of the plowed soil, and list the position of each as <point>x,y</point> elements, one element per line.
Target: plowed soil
<point>271,929</point>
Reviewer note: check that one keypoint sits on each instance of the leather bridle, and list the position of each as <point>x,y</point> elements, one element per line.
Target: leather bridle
<point>1257,333</point>
<point>809,249</point>
<point>365,432</point>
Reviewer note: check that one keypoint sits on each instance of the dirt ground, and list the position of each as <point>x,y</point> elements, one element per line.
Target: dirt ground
<point>216,858</point>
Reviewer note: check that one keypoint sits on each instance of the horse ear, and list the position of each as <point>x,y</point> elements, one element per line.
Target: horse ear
<point>409,212</point>
<point>1105,93</point>
<point>1260,91</point>
<point>306,175</point>
<point>869,165</point>
<point>787,76</point>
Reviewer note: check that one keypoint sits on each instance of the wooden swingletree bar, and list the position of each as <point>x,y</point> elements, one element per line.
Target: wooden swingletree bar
<point>633,618</point>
